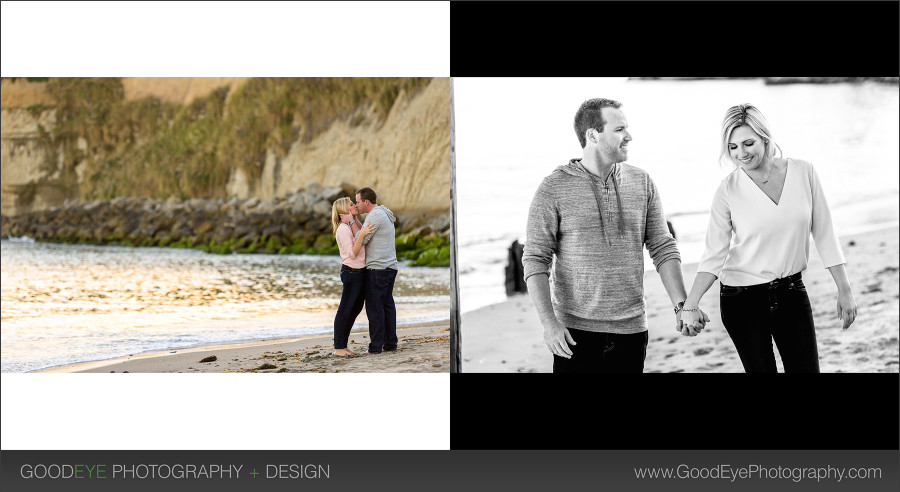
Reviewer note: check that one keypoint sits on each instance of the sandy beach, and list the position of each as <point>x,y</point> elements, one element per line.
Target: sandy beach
<point>507,337</point>
<point>422,348</point>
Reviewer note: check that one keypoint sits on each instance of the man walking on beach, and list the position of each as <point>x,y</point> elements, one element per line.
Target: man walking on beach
<point>381,265</point>
<point>593,216</point>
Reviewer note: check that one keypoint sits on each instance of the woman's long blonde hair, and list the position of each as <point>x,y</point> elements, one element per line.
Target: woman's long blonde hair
<point>340,206</point>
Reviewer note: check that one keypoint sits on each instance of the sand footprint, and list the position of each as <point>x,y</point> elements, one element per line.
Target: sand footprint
<point>703,351</point>
<point>857,348</point>
<point>873,287</point>
<point>711,366</point>
<point>887,343</point>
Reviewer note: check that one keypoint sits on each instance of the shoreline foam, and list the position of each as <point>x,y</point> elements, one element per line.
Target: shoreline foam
<point>420,346</point>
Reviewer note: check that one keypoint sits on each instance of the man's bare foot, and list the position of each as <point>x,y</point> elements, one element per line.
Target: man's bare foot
<point>344,353</point>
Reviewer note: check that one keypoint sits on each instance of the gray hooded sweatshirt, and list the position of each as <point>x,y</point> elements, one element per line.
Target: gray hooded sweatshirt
<point>596,232</point>
<point>381,251</point>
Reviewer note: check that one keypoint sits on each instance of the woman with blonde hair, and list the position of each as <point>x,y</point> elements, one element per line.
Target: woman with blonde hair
<point>353,270</point>
<point>757,245</point>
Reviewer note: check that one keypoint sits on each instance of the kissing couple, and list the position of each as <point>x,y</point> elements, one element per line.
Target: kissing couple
<point>368,271</point>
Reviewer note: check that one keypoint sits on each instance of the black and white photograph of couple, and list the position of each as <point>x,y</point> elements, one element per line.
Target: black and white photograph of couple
<point>724,225</point>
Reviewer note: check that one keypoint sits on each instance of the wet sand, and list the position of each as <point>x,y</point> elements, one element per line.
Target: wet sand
<point>421,348</point>
<point>507,337</point>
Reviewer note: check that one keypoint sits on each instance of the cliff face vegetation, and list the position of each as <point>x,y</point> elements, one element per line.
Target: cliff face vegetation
<point>98,139</point>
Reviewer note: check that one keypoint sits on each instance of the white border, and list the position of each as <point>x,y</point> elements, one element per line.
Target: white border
<point>225,411</point>
<point>226,39</point>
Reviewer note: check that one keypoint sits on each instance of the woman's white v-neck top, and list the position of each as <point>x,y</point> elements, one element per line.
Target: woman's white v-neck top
<point>751,240</point>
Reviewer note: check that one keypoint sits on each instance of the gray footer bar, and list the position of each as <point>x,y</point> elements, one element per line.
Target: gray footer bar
<point>458,470</point>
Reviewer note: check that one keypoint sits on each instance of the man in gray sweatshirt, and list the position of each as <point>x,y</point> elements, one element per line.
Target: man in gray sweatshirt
<point>381,272</point>
<point>587,226</point>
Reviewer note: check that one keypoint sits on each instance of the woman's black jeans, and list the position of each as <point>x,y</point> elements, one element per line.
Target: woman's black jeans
<point>780,310</point>
<point>352,298</point>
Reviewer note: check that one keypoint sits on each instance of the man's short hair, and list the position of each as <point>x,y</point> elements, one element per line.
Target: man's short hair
<point>367,194</point>
<point>590,115</point>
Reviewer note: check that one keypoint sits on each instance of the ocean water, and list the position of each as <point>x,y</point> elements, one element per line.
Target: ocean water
<point>511,133</point>
<point>74,303</point>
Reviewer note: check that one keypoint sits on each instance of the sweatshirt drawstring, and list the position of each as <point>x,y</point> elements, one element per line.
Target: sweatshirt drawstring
<point>600,209</point>
<point>619,201</point>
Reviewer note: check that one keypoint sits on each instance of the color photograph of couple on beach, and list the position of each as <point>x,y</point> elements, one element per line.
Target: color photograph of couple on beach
<point>677,236</point>
<point>226,225</point>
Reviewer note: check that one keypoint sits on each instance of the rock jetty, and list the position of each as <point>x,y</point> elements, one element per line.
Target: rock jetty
<point>299,223</point>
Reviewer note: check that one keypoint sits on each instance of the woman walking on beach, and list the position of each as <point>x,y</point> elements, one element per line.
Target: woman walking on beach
<point>757,245</point>
<point>353,271</point>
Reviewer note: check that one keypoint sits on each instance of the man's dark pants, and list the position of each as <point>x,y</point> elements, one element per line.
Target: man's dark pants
<point>604,353</point>
<point>380,309</point>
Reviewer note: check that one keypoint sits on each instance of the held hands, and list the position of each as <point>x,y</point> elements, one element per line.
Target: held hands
<point>558,339</point>
<point>691,323</point>
<point>846,308</point>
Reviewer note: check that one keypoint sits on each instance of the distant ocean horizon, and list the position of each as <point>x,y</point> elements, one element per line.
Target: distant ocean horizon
<point>64,304</point>
<point>847,131</point>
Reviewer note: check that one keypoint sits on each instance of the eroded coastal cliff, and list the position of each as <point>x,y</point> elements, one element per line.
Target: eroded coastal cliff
<point>231,157</point>
<point>98,139</point>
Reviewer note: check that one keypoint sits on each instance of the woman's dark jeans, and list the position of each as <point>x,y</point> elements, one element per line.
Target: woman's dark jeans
<point>755,315</point>
<point>352,298</point>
